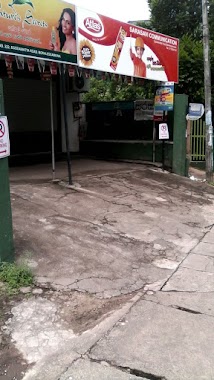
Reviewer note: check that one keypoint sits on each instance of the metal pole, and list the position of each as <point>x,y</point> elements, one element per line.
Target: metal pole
<point>188,143</point>
<point>163,155</point>
<point>207,93</point>
<point>163,145</point>
<point>64,105</point>
<point>52,130</point>
<point>154,140</point>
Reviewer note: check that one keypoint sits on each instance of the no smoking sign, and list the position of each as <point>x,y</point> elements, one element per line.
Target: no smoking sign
<point>163,131</point>
<point>2,129</point>
<point>4,137</point>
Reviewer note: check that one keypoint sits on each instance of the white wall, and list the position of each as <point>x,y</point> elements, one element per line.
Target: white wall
<point>73,124</point>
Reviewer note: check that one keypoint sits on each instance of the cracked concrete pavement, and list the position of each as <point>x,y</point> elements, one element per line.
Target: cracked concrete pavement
<point>133,238</point>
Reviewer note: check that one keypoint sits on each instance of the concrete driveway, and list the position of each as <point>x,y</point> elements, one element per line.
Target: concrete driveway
<point>128,225</point>
<point>118,237</point>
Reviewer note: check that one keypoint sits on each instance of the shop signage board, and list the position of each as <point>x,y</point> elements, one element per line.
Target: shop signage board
<point>4,137</point>
<point>33,28</point>
<point>116,47</point>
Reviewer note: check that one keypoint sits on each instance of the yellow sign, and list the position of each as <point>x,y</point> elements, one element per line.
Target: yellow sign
<point>43,29</point>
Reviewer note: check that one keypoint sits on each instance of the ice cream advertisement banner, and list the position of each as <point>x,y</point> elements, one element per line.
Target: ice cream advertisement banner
<point>112,46</point>
<point>164,98</point>
<point>43,29</point>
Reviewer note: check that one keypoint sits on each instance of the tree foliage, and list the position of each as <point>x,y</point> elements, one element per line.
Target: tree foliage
<point>177,18</point>
<point>191,68</point>
<point>211,19</point>
<point>117,90</point>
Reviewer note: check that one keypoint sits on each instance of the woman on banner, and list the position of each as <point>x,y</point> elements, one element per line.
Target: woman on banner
<point>67,35</point>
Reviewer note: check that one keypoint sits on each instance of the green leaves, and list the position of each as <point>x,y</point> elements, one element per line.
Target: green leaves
<point>111,90</point>
<point>15,276</point>
<point>191,66</point>
<point>176,18</point>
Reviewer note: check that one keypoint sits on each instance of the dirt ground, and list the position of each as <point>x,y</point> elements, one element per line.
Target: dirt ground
<point>81,311</point>
<point>121,228</point>
<point>12,364</point>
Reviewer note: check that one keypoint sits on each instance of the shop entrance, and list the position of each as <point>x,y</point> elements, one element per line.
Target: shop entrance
<point>27,106</point>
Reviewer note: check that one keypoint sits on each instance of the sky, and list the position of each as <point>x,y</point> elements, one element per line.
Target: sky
<point>117,9</point>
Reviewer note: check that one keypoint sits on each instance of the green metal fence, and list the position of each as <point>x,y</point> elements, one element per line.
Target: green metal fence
<point>198,133</point>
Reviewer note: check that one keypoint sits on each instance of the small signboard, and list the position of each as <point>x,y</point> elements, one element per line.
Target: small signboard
<point>158,115</point>
<point>164,98</point>
<point>4,137</point>
<point>143,110</point>
<point>163,131</point>
<point>196,111</point>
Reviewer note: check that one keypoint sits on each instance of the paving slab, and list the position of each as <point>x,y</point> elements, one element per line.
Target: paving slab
<point>199,262</point>
<point>190,280</point>
<point>85,369</point>
<point>40,333</point>
<point>162,342</point>
<point>209,237</point>
<point>51,368</point>
<point>204,249</point>
<point>188,302</point>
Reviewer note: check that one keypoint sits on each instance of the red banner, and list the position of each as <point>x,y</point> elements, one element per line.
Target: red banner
<point>116,47</point>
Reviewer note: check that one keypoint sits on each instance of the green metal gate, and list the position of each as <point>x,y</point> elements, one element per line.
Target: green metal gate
<point>198,132</point>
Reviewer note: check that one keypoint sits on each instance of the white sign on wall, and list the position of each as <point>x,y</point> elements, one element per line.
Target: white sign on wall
<point>163,131</point>
<point>196,111</point>
<point>4,137</point>
<point>143,110</point>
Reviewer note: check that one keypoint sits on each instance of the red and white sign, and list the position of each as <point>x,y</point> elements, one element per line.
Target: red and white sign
<point>158,115</point>
<point>113,46</point>
<point>4,137</point>
<point>163,131</point>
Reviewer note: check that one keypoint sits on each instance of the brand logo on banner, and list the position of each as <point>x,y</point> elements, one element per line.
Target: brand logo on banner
<point>39,29</point>
<point>20,2</point>
<point>93,25</point>
<point>113,46</point>
<point>87,53</point>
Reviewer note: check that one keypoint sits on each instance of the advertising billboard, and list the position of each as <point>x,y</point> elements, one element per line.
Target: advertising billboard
<point>164,98</point>
<point>43,29</point>
<point>112,46</point>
